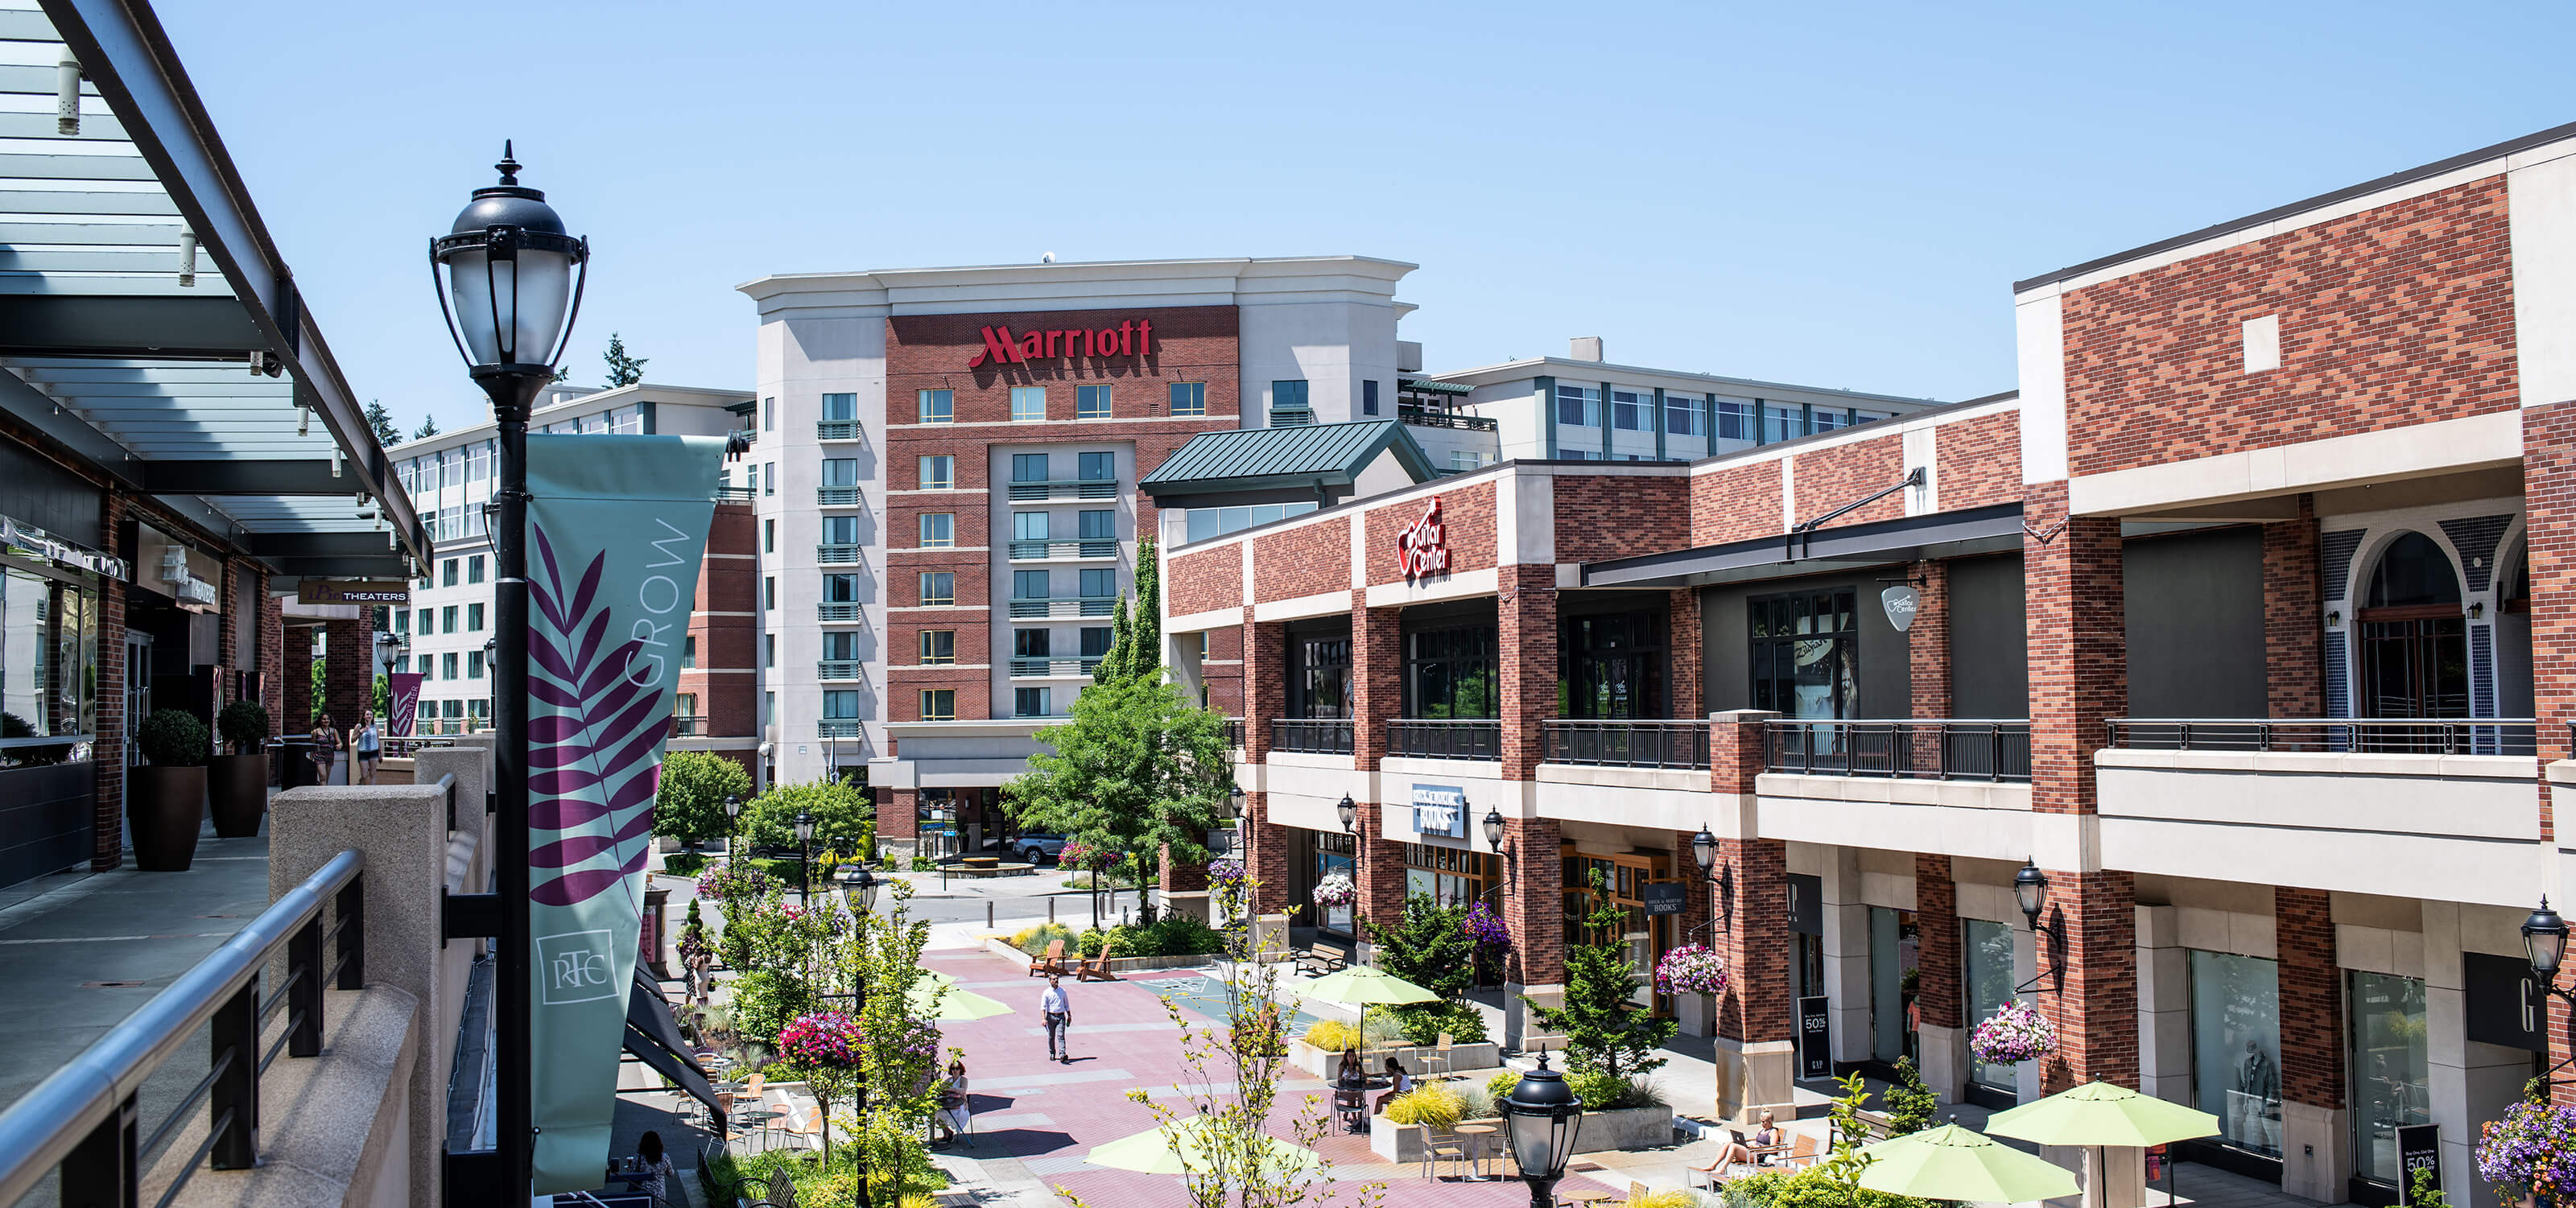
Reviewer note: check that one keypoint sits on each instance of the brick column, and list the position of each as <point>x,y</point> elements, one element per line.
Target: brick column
<point>348,672</point>
<point>1527,610</point>
<point>295,680</point>
<point>1534,910</point>
<point>107,811</point>
<point>2078,647</point>
<point>1682,641</point>
<point>1381,880</point>
<point>2293,663</point>
<point>1377,678</point>
<point>898,820</point>
<point>228,654</point>
<point>1939,1002</point>
<point>1173,877</point>
<point>2090,985</point>
<point>2549,492</point>
<point>1928,642</point>
<point>2313,1107</point>
<point>1267,861</point>
<point>1265,685</point>
<point>271,659</point>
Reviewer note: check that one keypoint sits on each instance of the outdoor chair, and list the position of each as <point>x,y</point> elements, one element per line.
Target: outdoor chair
<point>1434,1148</point>
<point>1052,962</point>
<point>1439,1054</point>
<point>1352,1107</point>
<point>1094,968</point>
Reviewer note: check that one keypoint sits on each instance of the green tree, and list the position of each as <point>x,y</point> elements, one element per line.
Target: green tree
<point>1911,1105</point>
<point>689,805</point>
<point>901,1062</point>
<point>623,370</point>
<point>383,697</point>
<point>382,421</point>
<point>1136,635</point>
<point>1427,945</point>
<point>842,819</point>
<point>1136,768</point>
<point>428,428</point>
<point>1605,1032</point>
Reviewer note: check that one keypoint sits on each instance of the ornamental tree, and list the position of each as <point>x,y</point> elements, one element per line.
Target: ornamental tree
<point>843,819</point>
<point>1605,1033</point>
<point>1136,769</point>
<point>899,1074</point>
<point>689,805</point>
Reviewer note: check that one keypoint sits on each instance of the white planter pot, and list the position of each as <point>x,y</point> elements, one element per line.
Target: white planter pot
<point>1463,1058</point>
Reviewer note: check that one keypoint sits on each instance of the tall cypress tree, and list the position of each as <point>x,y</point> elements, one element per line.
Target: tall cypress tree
<point>1145,630</point>
<point>1113,665</point>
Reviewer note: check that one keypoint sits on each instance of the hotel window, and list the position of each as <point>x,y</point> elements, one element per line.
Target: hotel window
<point>447,665</point>
<point>1099,584</point>
<point>1029,585</point>
<point>769,593</point>
<point>1578,406</point>
<point>473,618</point>
<point>1368,396</point>
<point>1028,467</point>
<point>1780,421</point>
<point>1806,652</point>
<point>1288,407</point>
<point>1826,419</point>
<point>1095,641</point>
<point>769,535</point>
<point>937,704</point>
<point>447,619</point>
<point>751,478</point>
<point>1091,402</point>
<point>938,406</point>
<point>1189,398</point>
<point>841,589</point>
<point>1097,526</point>
<point>938,530</point>
<point>841,408</point>
<point>1028,404</point>
<point>1630,410</point>
<point>1734,418</point>
<point>768,650</point>
<point>841,704</point>
<point>474,569</point>
<point>938,646</point>
<point>402,620</point>
<point>769,479</point>
<point>768,707</point>
<point>1032,644</point>
<point>447,573</point>
<point>1029,526</point>
<point>426,663</point>
<point>840,530</point>
<point>473,664</point>
<point>842,646</point>
<point>1449,672</point>
<point>2391,1070</point>
<point>769,415</point>
<point>938,473</point>
<point>687,704</point>
<point>1681,414</point>
<point>1097,467</point>
<point>1031,702</point>
<point>938,588</point>
<point>688,652</point>
<point>837,472</point>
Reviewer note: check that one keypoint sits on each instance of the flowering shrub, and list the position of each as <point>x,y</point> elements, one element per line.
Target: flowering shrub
<point>1691,969</point>
<point>1225,870</point>
<point>1082,856</point>
<point>732,879</point>
<point>2531,1153</point>
<point>821,1040</point>
<point>2016,1033</point>
<point>1335,892</point>
<point>1485,926</point>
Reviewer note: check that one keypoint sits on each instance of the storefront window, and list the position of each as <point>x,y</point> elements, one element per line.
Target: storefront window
<point>1806,652</point>
<point>1988,955</point>
<point>1333,854</point>
<point>1614,666</point>
<point>48,665</point>
<point>1447,875</point>
<point>2236,1047</point>
<point>1647,937</point>
<point>1450,673</point>
<point>2389,1067</point>
<point>1323,678</point>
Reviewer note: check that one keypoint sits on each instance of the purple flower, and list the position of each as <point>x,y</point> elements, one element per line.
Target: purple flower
<point>1225,870</point>
<point>1485,926</point>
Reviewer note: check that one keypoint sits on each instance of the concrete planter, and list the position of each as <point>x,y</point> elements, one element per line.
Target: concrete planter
<point>1463,1058</point>
<point>1626,1128</point>
<point>1405,1143</point>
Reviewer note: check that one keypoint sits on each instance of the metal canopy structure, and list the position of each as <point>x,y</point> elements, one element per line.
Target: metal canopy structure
<point>147,322</point>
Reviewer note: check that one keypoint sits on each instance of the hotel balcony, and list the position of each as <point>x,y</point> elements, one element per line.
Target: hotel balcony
<point>688,727</point>
<point>838,612</point>
<point>837,429</point>
<point>1418,738</point>
<point>1447,419</point>
<point>1054,668</point>
<point>1031,551</point>
<point>1064,488</point>
<point>836,555</point>
<point>1311,736</point>
<point>1063,606</point>
<point>1629,744</point>
<point>840,728</point>
<point>836,497</point>
<point>839,669</point>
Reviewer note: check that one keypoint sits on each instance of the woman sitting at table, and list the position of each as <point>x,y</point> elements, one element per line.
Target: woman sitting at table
<point>1397,1083</point>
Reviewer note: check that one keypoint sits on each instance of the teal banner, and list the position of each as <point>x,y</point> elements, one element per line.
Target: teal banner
<point>616,526</point>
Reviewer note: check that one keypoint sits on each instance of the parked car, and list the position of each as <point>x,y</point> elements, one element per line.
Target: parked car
<point>1037,849</point>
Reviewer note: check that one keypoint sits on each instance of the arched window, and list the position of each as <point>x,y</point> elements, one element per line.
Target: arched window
<point>2414,637</point>
<point>2412,572</point>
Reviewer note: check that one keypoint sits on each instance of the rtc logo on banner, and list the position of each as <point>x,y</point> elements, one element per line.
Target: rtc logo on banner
<point>1423,547</point>
<point>1131,338</point>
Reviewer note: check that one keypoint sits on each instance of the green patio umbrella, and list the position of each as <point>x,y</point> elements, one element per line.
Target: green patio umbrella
<point>1155,1151</point>
<point>1953,1163</point>
<point>958,1005</point>
<point>1364,986</point>
<point>2101,1113</point>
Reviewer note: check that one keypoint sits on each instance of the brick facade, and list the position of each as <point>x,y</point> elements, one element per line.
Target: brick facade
<point>2312,1014</point>
<point>1938,996</point>
<point>1381,871</point>
<point>1842,474</point>
<point>1736,503</point>
<point>1977,462</point>
<point>1527,642</point>
<point>2090,978</point>
<point>1267,861</point>
<point>273,660</point>
<point>1623,516</point>
<point>1752,936</point>
<point>1265,677</point>
<point>1309,560</point>
<point>107,811</point>
<point>1468,514</point>
<point>1377,679</point>
<point>2072,585</point>
<point>1533,905</point>
<point>2293,660</point>
<point>1683,641</point>
<point>1204,581</point>
<point>348,671</point>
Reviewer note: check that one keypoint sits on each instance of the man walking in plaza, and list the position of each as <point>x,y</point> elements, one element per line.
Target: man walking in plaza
<point>1058,1011</point>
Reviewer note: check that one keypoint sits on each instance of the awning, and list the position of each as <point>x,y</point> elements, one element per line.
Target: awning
<point>1984,530</point>
<point>147,321</point>
<point>654,1038</point>
<point>1427,386</point>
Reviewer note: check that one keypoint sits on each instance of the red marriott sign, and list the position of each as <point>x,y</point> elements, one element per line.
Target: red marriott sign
<point>1423,547</point>
<point>1131,338</point>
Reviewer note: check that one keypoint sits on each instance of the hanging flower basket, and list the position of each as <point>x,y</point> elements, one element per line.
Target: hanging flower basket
<point>1335,892</point>
<point>2014,1034</point>
<point>1486,927</point>
<point>731,879</point>
<point>2530,1154</point>
<point>1226,871</point>
<point>1691,969</point>
<point>822,1040</point>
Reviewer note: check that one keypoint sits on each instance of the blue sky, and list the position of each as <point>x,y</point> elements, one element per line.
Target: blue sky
<point>1835,196</point>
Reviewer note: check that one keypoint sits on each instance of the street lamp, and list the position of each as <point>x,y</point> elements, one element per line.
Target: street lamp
<point>508,268</point>
<point>2030,892</point>
<point>389,655</point>
<point>1349,811</point>
<point>733,828</point>
<point>862,891</point>
<point>1542,1116</point>
<point>805,856</point>
<point>2544,938</point>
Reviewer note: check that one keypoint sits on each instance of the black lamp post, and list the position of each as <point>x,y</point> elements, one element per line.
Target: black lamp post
<point>389,655</point>
<point>1503,856</point>
<point>805,856</point>
<point>1349,812</point>
<point>2030,892</point>
<point>862,891</point>
<point>1541,1117</point>
<point>733,828</point>
<point>515,280</point>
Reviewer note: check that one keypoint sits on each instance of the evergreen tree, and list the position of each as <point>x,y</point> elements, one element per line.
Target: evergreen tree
<point>1145,632</point>
<point>1113,664</point>
<point>382,421</point>
<point>1605,1033</point>
<point>428,428</point>
<point>623,370</point>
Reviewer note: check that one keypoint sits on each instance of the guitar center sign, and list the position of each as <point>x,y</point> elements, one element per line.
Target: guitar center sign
<point>1423,547</point>
<point>1131,338</point>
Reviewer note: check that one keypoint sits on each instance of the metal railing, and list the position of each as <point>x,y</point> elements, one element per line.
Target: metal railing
<point>734,494</point>
<point>84,1117</point>
<point>1234,733</point>
<point>1629,744</point>
<point>2356,735</point>
<point>1431,738</point>
<point>1065,488</point>
<point>851,728</point>
<point>1446,419</point>
<point>837,612</point>
<point>1022,551</point>
<point>1311,735</point>
<point>1923,750</point>
<point>836,555</point>
<point>1291,417</point>
<point>836,497</point>
<point>1068,666</point>
<point>839,669</point>
<point>1065,606</point>
<point>688,727</point>
<point>836,429</point>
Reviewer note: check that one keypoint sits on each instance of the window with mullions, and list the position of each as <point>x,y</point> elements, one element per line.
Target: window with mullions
<point>937,406</point>
<point>1579,406</point>
<point>1028,467</point>
<point>841,589</point>
<point>1028,404</point>
<point>938,587</point>
<point>1613,666</point>
<point>1091,402</point>
<point>1450,673</point>
<point>1095,641</point>
<point>938,647</point>
<point>1097,525</point>
<point>839,530</point>
<point>1806,652</point>
<point>1322,679</point>
<point>937,704</point>
<point>1189,398</point>
<point>839,645</point>
<point>841,408</point>
<point>1631,410</point>
<point>1733,418</point>
<point>1781,421</point>
<point>1032,643</point>
<point>1032,702</point>
<point>1682,414</point>
<point>841,704</point>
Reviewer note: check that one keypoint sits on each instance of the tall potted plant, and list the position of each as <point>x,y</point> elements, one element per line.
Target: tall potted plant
<point>165,803</point>
<point>237,784</point>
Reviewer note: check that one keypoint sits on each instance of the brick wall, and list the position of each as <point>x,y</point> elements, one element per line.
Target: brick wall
<point>899,814</point>
<point>1735,503</point>
<point>2549,492</point>
<point>272,656</point>
<point>1307,560</point>
<point>1221,671</point>
<point>726,625</point>
<point>1734,756</point>
<point>1527,644</point>
<point>1936,917</point>
<point>107,816</point>
<point>1381,879</point>
<point>1620,516</point>
<point>348,671</point>
<point>973,686</point>
<point>1265,679</point>
<point>296,681</point>
<point>1270,844</point>
<point>1837,475</point>
<point>2311,998</point>
<point>2401,314</point>
<point>1683,641</point>
<point>1206,581</point>
<point>1753,937</point>
<point>2078,646</point>
<point>2293,662</point>
<point>1377,678</point>
<point>2093,968</point>
<point>1977,462</point>
<point>1533,907</point>
<point>1467,513</point>
<point>1928,642</point>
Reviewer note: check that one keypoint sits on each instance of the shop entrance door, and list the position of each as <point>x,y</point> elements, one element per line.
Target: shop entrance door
<point>1892,961</point>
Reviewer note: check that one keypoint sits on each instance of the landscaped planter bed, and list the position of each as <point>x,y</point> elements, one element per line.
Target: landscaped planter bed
<point>1463,1058</point>
<point>1117,964</point>
<point>1625,1128</point>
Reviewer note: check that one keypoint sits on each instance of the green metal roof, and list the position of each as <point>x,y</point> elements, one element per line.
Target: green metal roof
<point>1257,458</point>
<point>1427,386</point>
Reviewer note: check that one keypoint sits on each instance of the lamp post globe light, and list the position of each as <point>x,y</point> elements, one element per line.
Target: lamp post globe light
<point>2544,939</point>
<point>733,827</point>
<point>509,281</point>
<point>805,856</point>
<point>1540,1118</point>
<point>2030,892</point>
